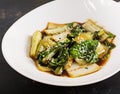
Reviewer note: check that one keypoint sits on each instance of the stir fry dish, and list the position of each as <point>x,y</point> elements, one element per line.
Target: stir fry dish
<point>74,49</point>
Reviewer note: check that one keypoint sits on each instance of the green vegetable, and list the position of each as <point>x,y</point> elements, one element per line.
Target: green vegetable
<point>61,58</point>
<point>85,50</point>
<point>103,35</point>
<point>75,29</point>
<point>47,55</point>
<point>59,61</point>
<point>111,35</point>
<point>82,45</point>
<point>109,45</point>
<point>99,36</point>
<point>59,70</point>
<point>96,36</point>
<point>91,26</point>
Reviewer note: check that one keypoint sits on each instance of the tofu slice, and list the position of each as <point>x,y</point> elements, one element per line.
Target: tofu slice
<point>55,30</point>
<point>91,26</point>
<point>100,50</point>
<point>61,36</point>
<point>75,70</point>
<point>52,25</point>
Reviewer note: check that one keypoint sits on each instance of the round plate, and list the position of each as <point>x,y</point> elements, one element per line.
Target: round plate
<point>16,41</point>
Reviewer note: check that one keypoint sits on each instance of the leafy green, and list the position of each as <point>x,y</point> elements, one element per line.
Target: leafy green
<point>61,58</point>
<point>59,70</point>
<point>75,29</point>
<point>58,62</point>
<point>42,55</point>
<point>57,56</point>
<point>54,49</point>
<point>110,35</point>
<point>96,36</point>
<point>85,50</point>
<point>109,45</point>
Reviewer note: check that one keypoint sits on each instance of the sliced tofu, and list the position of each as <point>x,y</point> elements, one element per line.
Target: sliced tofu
<point>103,35</point>
<point>34,43</point>
<point>52,25</point>
<point>106,48</point>
<point>75,70</point>
<point>100,49</point>
<point>91,26</point>
<point>47,43</point>
<point>60,37</point>
<point>55,30</point>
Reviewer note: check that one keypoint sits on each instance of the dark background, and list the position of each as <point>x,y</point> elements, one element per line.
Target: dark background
<point>12,82</point>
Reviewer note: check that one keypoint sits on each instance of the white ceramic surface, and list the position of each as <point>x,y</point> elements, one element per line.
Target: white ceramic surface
<point>16,42</point>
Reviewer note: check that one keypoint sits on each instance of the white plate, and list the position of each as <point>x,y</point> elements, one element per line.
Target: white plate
<point>16,42</point>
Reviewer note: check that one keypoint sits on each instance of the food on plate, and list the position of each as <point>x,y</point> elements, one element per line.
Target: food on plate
<point>75,49</point>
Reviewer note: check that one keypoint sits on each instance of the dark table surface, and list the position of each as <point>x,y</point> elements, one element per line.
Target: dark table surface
<point>12,82</point>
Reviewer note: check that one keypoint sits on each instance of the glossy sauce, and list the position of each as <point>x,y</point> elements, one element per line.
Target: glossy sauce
<point>103,62</point>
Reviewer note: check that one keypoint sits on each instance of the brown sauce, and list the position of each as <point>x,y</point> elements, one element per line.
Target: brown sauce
<point>103,62</point>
